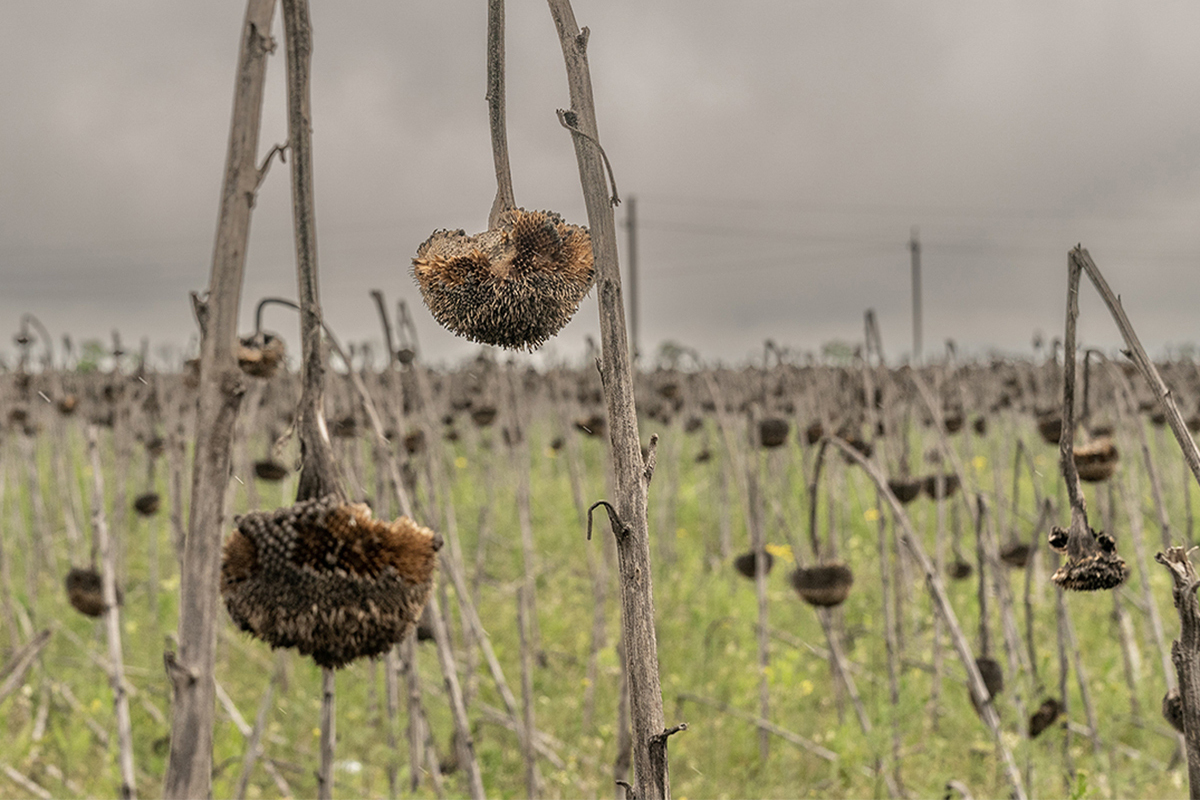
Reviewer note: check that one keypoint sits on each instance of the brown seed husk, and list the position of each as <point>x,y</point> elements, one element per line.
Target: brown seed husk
<point>1099,570</point>
<point>1016,554</point>
<point>905,489</point>
<point>1044,717</point>
<point>992,674</point>
<point>270,470</point>
<point>960,570</point>
<point>993,678</point>
<point>746,563</point>
<point>813,433</point>
<point>345,427</point>
<point>773,431</point>
<point>147,504</point>
<point>84,591</point>
<point>327,579</point>
<point>1172,709</point>
<point>1049,427</point>
<point>860,444</point>
<point>261,354</point>
<point>414,441</point>
<point>950,485</point>
<point>823,585</point>
<point>1096,461</point>
<point>514,286</point>
<point>483,416</point>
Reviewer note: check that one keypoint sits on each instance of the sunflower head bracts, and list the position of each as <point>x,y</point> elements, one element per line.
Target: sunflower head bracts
<point>324,577</point>
<point>514,285</point>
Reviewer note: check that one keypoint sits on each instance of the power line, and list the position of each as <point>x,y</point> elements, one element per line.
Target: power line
<point>919,210</point>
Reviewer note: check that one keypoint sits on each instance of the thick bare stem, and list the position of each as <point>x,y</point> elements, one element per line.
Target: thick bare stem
<point>505,200</point>
<point>112,621</point>
<point>189,770</point>
<point>1066,441</point>
<point>318,475</point>
<point>1185,652</point>
<point>328,733</point>
<point>388,340</point>
<point>633,546</point>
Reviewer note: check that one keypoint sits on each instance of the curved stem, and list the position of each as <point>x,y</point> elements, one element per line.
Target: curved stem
<point>263,303</point>
<point>1080,542</point>
<point>812,499</point>
<point>633,551</point>
<point>43,334</point>
<point>388,341</point>
<point>189,767</point>
<point>505,200</point>
<point>318,475</point>
<point>280,301</point>
<point>406,329</point>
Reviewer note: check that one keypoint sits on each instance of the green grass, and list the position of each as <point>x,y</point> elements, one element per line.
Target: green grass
<point>706,635</point>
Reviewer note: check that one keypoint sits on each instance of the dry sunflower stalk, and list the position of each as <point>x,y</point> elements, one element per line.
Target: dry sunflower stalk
<point>515,285</point>
<point>1092,561</point>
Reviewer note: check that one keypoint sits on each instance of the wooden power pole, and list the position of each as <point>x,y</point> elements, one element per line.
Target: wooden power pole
<point>914,247</point>
<point>631,231</point>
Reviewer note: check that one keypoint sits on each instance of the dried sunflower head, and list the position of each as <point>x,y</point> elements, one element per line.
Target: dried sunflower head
<point>824,585</point>
<point>1096,461</point>
<point>261,354</point>
<point>324,577</point>
<point>514,286</point>
<point>1092,561</point>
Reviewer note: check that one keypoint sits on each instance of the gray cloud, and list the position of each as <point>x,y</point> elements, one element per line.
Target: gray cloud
<point>780,151</point>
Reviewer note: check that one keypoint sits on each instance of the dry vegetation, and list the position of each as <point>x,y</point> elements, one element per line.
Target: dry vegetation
<point>835,679</point>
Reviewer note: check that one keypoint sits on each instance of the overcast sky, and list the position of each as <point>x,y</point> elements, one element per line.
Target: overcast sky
<point>780,153</point>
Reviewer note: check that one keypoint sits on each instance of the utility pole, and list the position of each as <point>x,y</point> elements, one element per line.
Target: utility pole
<point>631,232</point>
<point>914,246</point>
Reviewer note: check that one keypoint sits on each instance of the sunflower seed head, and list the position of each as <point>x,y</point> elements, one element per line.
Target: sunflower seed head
<point>514,286</point>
